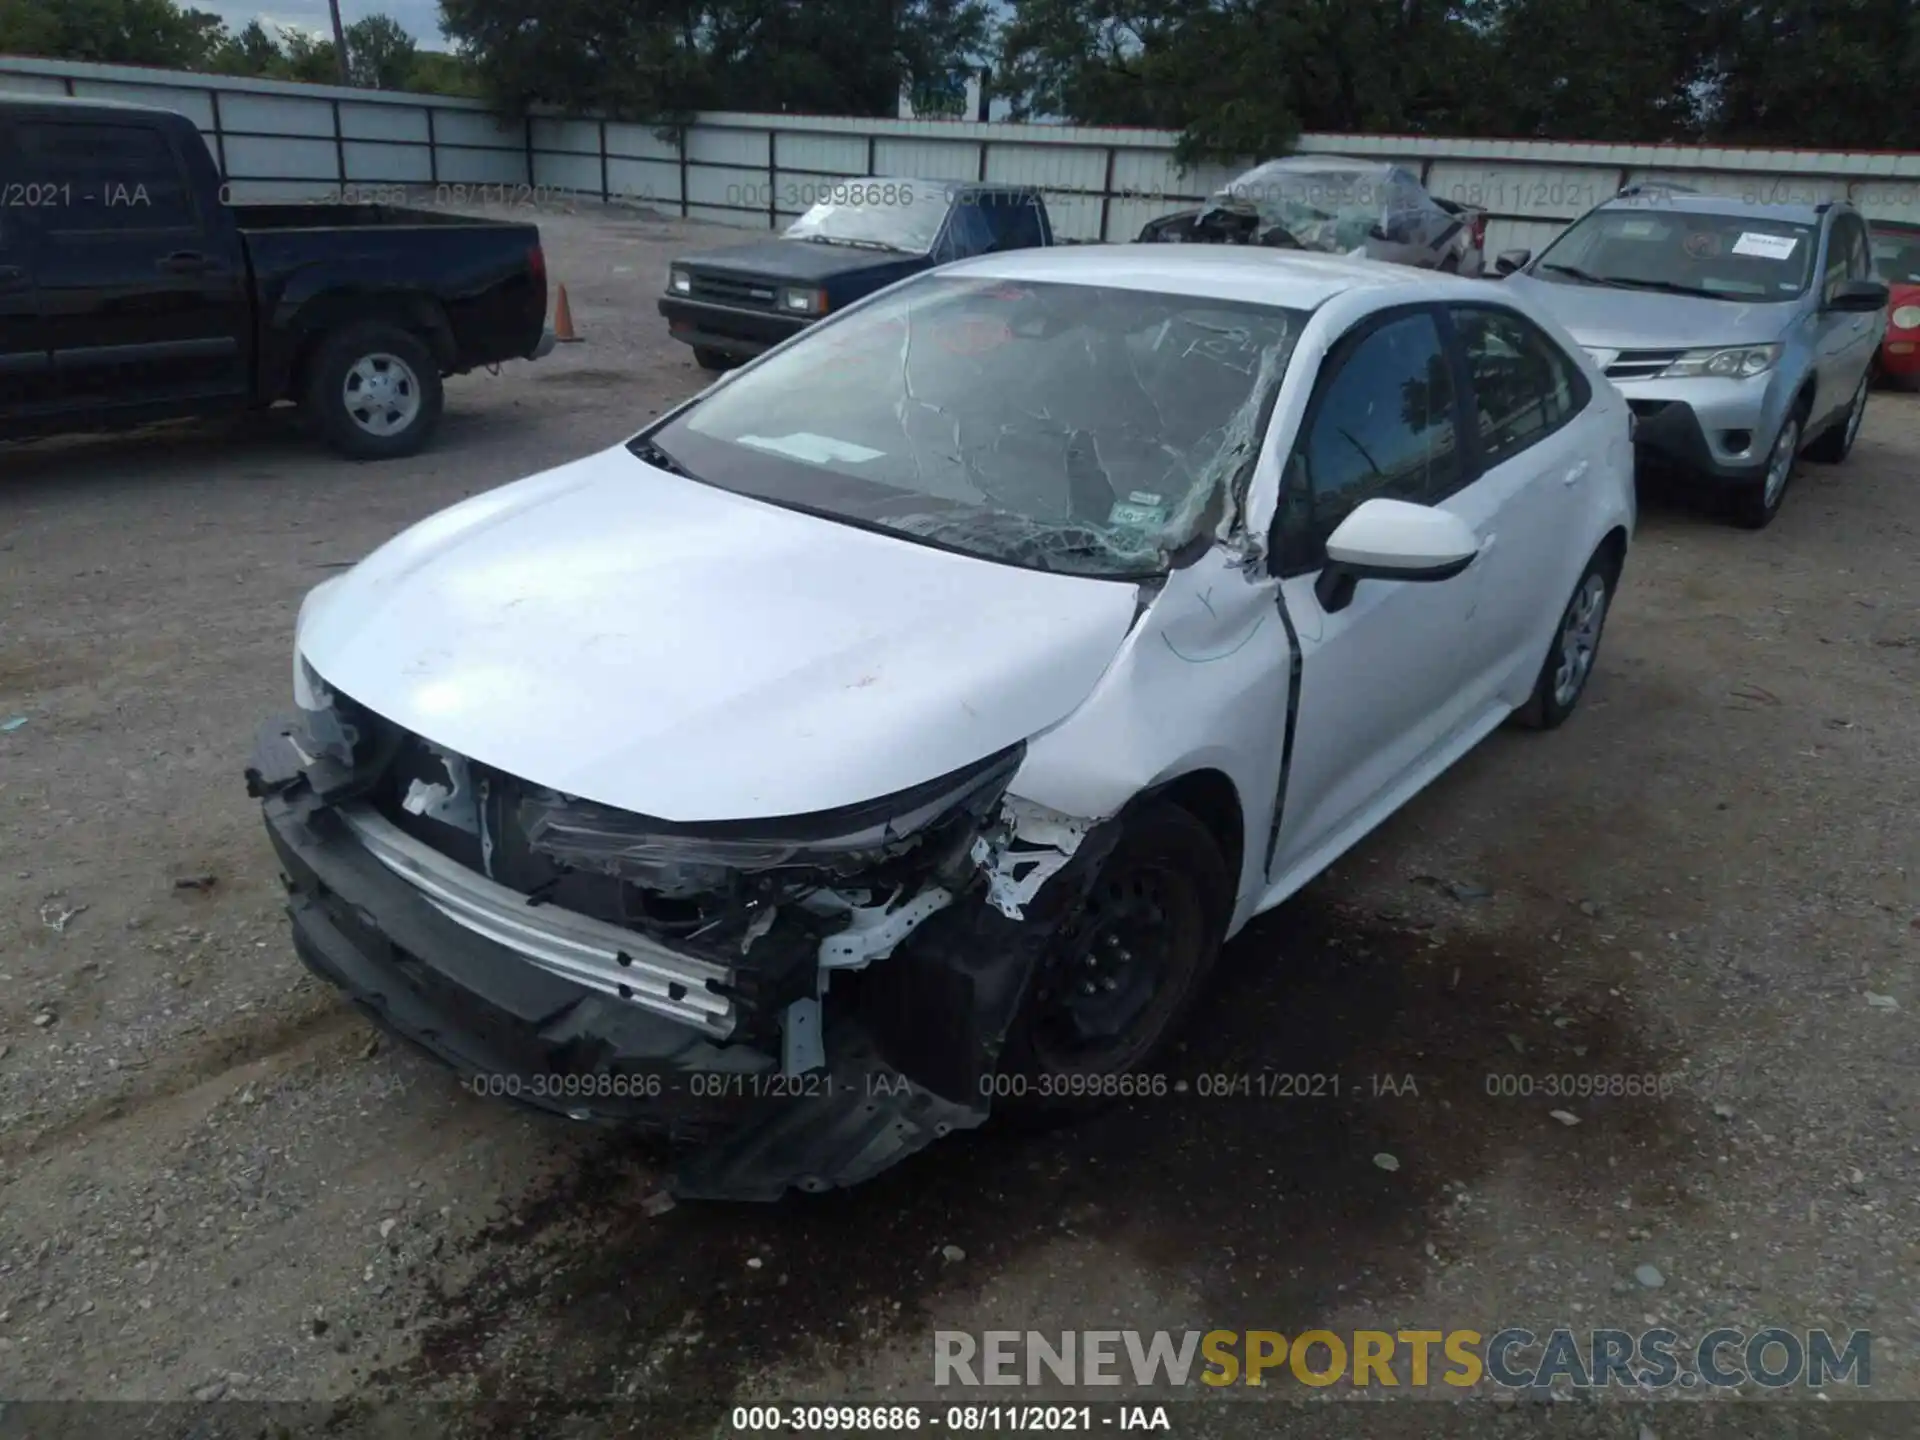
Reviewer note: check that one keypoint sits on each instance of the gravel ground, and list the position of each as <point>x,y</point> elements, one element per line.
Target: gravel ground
<point>216,1183</point>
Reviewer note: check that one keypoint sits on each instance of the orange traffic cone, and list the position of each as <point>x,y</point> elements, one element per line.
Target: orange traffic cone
<point>563,330</point>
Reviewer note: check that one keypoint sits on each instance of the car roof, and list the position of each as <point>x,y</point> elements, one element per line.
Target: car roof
<point>1692,202</point>
<point>27,100</point>
<point>1289,279</point>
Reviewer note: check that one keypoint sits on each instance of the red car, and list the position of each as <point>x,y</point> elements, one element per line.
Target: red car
<point>1896,255</point>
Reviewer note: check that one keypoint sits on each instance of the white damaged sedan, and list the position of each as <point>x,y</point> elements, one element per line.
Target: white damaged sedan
<point>896,730</point>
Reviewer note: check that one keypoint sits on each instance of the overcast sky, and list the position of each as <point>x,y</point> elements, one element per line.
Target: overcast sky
<point>421,18</point>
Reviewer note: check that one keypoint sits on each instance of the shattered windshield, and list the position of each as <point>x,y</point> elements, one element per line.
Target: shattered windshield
<point>1075,428</point>
<point>1731,257</point>
<point>903,215</point>
<point>1335,208</point>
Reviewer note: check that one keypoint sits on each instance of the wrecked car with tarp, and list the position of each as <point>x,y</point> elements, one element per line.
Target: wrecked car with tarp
<point>1338,206</point>
<point>887,736</point>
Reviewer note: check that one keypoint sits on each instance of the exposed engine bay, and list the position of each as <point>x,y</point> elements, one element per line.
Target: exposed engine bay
<point>805,1000</point>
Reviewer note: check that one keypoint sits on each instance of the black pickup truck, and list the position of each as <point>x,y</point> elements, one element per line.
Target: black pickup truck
<point>859,236</point>
<point>132,292</point>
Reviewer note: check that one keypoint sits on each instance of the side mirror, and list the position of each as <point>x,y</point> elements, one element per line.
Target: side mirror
<point>1508,261</point>
<point>1393,540</point>
<point>1859,297</point>
<point>1378,232</point>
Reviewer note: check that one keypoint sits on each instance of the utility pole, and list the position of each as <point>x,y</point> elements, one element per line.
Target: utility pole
<point>339,42</point>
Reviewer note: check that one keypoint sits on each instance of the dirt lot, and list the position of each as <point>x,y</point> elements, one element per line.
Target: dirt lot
<point>215,1182</point>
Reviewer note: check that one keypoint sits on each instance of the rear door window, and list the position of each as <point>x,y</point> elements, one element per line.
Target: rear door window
<point>1524,386</point>
<point>104,176</point>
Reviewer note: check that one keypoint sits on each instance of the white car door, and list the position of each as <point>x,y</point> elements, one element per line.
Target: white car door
<point>1381,690</point>
<point>1536,466</point>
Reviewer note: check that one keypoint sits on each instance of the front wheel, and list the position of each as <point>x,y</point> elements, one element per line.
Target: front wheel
<point>1120,977</point>
<point>1576,646</point>
<point>1757,501</point>
<point>374,391</point>
<point>1834,446</point>
<point>708,358</point>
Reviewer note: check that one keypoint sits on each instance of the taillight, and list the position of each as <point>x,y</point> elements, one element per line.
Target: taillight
<point>537,264</point>
<point>1479,231</point>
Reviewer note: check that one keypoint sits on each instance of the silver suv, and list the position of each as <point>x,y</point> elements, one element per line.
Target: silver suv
<point>1741,334</point>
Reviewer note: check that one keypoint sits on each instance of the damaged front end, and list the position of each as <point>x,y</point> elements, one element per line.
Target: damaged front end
<point>805,1000</point>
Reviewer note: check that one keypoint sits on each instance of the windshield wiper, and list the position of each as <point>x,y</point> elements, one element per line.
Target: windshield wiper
<point>1584,276</point>
<point>1674,287</point>
<point>646,450</point>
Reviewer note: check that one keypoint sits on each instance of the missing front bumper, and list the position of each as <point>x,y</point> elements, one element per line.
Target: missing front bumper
<point>581,1018</point>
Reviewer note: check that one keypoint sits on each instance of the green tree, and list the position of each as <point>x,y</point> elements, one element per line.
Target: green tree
<point>306,58</point>
<point>250,52</point>
<point>665,58</point>
<point>435,72</point>
<point>1843,74</point>
<point>1585,69</point>
<point>113,32</point>
<point>1245,77</point>
<point>380,55</point>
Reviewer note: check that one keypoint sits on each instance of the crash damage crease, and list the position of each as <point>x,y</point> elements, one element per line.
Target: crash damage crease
<point>959,891</point>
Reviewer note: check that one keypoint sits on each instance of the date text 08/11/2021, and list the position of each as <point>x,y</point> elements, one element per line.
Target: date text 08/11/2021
<point>770,1085</point>
<point>962,1419</point>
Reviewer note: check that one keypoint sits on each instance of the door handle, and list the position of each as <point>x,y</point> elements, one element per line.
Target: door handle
<point>185,262</point>
<point>1578,473</point>
<point>11,274</point>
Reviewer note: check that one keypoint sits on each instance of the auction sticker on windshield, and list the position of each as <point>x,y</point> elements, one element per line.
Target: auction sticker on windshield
<point>1766,247</point>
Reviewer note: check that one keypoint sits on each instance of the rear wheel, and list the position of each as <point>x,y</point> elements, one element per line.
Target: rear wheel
<point>374,391</point>
<point>707,358</point>
<point>1576,647</point>
<point>1757,501</point>
<point>1118,979</point>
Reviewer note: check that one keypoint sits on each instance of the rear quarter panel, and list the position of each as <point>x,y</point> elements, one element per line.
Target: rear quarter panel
<point>471,289</point>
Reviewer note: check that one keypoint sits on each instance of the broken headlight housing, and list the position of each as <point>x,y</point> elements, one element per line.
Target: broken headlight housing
<point>678,861</point>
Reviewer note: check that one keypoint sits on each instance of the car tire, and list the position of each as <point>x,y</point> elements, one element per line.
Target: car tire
<point>708,358</point>
<point>1757,501</point>
<point>1837,443</point>
<point>1575,649</point>
<point>1132,961</point>
<point>374,391</point>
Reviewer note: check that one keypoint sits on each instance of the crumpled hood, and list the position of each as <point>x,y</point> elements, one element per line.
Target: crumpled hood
<point>656,644</point>
<point>1607,318</point>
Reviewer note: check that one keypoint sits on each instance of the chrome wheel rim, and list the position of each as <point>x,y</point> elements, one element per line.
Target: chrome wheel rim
<point>381,394</point>
<point>1780,463</point>
<point>1580,639</point>
<point>1855,415</point>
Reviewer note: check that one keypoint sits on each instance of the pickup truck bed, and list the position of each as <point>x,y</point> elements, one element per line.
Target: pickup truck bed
<point>130,292</point>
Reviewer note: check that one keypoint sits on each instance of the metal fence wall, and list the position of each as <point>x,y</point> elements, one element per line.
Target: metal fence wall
<point>283,141</point>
